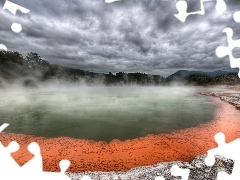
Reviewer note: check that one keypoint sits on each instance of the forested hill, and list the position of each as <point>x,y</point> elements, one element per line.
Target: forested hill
<point>32,69</point>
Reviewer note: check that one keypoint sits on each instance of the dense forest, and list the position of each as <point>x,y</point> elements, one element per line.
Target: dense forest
<point>32,69</point>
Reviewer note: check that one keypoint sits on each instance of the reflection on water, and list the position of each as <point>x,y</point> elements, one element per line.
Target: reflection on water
<point>103,113</point>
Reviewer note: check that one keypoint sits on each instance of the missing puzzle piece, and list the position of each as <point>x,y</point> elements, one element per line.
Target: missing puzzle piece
<point>3,47</point>
<point>111,1</point>
<point>85,177</point>
<point>64,164</point>
<point>228,150</point>
<point>159,178</point>
<point>10,169</point>
<point>12,7</point>
<point>7,163</point>
<point>236,17</point>
<point>223,51</point>
<point>33,169</point>
<point>5,125</point>
<point>182,9</point>
<point>35,164</point>
<point>176,171</point>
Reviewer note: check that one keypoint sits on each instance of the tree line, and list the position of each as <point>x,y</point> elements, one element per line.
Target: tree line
<point>13,66</point>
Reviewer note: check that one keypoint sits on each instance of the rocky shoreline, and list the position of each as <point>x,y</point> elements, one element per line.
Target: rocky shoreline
<point>198,170</point>
<point>230,97</point>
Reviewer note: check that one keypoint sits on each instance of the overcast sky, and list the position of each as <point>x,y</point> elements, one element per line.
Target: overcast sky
<point>126,36</point>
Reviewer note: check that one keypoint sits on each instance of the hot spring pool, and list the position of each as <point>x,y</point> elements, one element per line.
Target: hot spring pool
<point>103,113</point>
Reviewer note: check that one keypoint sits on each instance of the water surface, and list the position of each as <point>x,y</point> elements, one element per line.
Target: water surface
<point>103,113</point>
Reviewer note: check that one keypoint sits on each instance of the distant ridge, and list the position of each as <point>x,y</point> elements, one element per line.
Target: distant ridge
<point>182,74</point>
<point>185,73</point>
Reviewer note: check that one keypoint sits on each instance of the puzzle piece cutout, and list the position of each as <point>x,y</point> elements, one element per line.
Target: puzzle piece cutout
<point>35,164</point>
<point>6,158</point>
<point>222,51</point>
<point>64,164</point>
<point>176,171</point>
<point>3,47</point>
<point>236,17</point>
<point>182,9</point>
<point>111,1</point>
<point>85,177</point>
<point>12,7</point>
<point>228,150</point>
<point>33,169</point>
<point>3,126</point>
<point>159,178</point>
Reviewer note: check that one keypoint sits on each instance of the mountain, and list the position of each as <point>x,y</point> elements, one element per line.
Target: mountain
<point>183,74</point>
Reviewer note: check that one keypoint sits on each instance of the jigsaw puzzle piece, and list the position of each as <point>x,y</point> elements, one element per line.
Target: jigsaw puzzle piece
<point>182,6</point>
<point>16,27</point>
<point>45,175</point>
<point>85,177</point>
<point>64,165</point>
<point>228,150</point>
<point>33,169</point>
<point>7,163</point>
<point>111,1</point>
<point>12,7</point>
<point>222,51</point>
<point>159,178</point>
<point>220,139</point>
<point>176,171</point>
<point>5,125</point>
<point>41,175</point>
<point>236,17</point>
<point>182,10</point>
<point>35,164</point>
<point>221,6</point>
<point>235,175</point>
<point>3,47</point>
<point>224,176</point>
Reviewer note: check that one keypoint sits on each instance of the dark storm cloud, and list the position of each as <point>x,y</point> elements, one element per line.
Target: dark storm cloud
<point>128,35</point>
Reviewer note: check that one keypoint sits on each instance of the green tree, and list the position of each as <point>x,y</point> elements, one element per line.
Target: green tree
<point>33,60</point>
<point>11,57</point>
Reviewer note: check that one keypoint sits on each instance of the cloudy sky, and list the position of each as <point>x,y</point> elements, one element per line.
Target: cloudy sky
<point>127,36</point>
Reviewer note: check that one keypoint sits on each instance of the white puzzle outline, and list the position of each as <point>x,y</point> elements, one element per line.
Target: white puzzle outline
<point>33,169</point>
<point>223,51</point>
<point>12,7</point>
<point>16,27</point>
<point>182,6</point>
<point>228,150</point>
<point>111,1</point>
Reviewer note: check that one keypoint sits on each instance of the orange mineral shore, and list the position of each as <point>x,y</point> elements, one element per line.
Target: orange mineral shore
<point>86,155</point>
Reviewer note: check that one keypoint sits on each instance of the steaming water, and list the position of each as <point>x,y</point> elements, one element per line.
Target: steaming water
<point>103,113</point>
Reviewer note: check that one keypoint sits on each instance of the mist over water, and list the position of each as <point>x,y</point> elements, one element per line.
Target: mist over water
<point>100,112</point>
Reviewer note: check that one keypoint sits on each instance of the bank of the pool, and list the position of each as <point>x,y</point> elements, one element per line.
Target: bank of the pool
<point>86,155</point>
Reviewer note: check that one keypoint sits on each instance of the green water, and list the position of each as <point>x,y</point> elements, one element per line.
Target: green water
<point>103,113</point>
